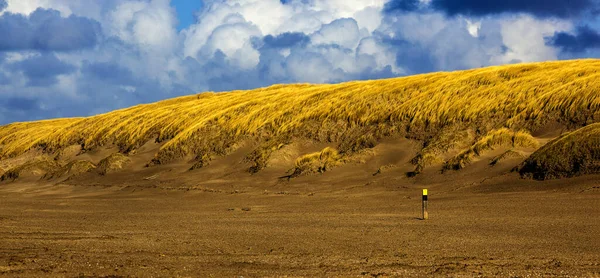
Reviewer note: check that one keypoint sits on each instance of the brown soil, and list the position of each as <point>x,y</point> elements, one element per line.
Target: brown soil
<point>361,219</point>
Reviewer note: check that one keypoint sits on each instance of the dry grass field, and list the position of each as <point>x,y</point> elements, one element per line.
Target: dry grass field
<point>432,108</point>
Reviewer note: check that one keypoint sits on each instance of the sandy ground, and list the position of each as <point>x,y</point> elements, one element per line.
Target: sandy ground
<point>220,221</point>
<point>371,230</point>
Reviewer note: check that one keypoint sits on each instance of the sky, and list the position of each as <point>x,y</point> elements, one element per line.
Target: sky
<point>65,58</point>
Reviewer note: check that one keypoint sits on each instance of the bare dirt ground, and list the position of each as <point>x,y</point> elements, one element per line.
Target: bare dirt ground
<point>223,222</point>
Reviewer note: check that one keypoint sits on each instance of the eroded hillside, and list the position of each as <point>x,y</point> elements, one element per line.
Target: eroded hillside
<point>450,118</point>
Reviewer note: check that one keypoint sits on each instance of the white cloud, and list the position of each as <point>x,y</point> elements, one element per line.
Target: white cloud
<point>343,32</point>
<point>306,21</point>
<point>524,37</point>
<point>230,27</point>
<point>298,16</point>
<point>473,27</point>
<point>234,40</point>
<point>311,67</point>
<point>346,8</point>
<point>368,18</point>
<point>422,28</point>
<point>88,8</point>
<point>459,43</point>
<point>67,85</point>
<point>13,57</point>
<point>28,6</point>
<point>381,54</point>
<point>254,11</point>
<point>151,25</point>
<point>121,17</point>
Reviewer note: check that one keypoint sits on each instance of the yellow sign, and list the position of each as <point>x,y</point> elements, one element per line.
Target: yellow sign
<point>424,192</point>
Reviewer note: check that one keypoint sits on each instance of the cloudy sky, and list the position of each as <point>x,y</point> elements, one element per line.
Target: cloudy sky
<point>61,58</point>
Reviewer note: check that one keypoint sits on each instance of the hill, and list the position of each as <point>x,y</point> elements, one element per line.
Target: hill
<point>575,153</point>
<point>452,117</point>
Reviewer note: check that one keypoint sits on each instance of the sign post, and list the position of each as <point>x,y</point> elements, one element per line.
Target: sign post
<point>425,214</point>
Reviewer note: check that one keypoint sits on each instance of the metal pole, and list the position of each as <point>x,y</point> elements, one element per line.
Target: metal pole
<point>425,214</point>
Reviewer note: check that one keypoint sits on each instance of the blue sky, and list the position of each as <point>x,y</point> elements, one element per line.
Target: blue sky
<point>64,58</point>
<point>186,10</point>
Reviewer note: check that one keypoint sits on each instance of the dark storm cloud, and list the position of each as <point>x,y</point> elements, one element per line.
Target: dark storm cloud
<point>414,58</point>
<point>20,103</point>
<point>217,74</point>
<point>294,1</point>
<point>583,38</point>
<point>108,72</point>
<point>46,30</point>
<point>14,109</point>
<point>42,70</point>
<point>402,5</point>
<point>4,79</point>
<point>539,8</point>
<point>285,40</point>
<point>3,5</point>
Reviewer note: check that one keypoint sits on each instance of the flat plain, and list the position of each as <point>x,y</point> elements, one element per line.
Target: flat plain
<point>345,223</point>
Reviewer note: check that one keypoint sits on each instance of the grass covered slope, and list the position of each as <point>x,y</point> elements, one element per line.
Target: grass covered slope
<point>572,154</point>
<point>432,108</point>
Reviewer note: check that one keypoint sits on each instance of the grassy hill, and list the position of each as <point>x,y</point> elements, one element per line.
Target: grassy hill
<point>470,111</point>
<point>575,153</point>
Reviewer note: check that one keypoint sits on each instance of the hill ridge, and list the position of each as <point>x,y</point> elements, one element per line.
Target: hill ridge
<point>354,115</point>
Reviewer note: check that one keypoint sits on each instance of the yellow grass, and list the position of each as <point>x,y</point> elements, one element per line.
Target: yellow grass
<point>514,96</point>
<point>438,144</point>
<point>73,168</point>
<point>500,137</point>
<point>38,167</point>
<point>112,163</point>
<point>572,154</point>
<point>317,162</point>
